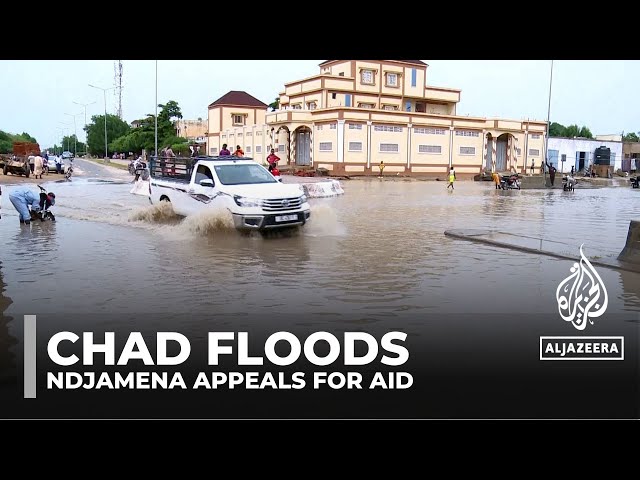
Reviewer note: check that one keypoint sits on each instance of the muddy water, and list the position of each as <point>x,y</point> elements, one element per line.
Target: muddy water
<point>373,255</point>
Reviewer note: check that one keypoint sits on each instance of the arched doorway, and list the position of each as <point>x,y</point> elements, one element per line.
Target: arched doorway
<point>501,152</point>
<point>303,146</point>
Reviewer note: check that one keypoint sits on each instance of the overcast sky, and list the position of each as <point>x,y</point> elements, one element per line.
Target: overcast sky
<point>35,95</point>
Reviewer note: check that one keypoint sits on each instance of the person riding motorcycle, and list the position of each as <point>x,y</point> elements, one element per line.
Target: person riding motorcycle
<point>24,198</point>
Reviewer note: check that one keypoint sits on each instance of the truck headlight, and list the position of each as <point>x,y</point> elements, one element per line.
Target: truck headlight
<point>247,202</point>
<point>303,199</point>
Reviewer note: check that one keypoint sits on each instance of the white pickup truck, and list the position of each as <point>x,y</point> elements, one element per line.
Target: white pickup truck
<point>256,200</point>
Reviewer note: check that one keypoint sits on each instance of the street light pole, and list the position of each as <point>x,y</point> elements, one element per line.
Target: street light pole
<point>156,137</point>
<point>85,105</point>
<point>75,133</point>
<point>548,118</point>
<point>104,91</point>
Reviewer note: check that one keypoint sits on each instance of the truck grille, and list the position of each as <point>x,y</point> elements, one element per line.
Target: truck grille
<point>279,204</point>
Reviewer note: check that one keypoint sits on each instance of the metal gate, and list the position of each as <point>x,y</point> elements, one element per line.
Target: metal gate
<point>303,147</point>
<point>501,156</point>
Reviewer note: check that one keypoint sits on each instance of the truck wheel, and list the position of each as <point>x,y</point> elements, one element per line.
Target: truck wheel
<point>27,172</point>
<point>5,169</point>
<point>164,198</point>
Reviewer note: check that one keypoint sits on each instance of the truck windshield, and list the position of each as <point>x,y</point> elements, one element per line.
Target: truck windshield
<point>243,174</point>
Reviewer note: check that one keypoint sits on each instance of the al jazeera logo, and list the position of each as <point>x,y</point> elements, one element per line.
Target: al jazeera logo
<point>582,297</point>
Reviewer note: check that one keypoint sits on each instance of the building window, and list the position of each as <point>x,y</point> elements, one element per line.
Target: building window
<point>249,134</point>
<point>224,137</point>
<point>333,126</point>
<point>297,106</point>
<point>435,149</point>
<point>392,79</point>
<point>333,96</point>
<point>213,150</point>
<point>280,148</point>
<point>325,146</point>
<point>389,107</point>
<point>407,106</point>
<point>311,105</point>
<point>258,148</point>
<point>429,131</point>
<point>239,135</point>
<point>467,150</point>
<point>535,136</point>
<point>518,151</point>
<point>366,77</point>
<point>389,148</point>
<point>355,126</point>
<point>247,149</point>
<point>414,77</point>
<point>238,119</point>
<point>355,146</point>
<point>341,74</point>
<point>258,134</point>
<point>534,152</point>
<point>366,105</point>
<point>467,133</point>
<point>318,127</point>
<point>387,128</point>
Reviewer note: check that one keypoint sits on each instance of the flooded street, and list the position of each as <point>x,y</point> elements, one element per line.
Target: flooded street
<point>374,253</point>
<point>374,259</point>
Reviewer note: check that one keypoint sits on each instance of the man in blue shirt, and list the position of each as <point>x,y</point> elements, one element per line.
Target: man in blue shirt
<point>23,198</point>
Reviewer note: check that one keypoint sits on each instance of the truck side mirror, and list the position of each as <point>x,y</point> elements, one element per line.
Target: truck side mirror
<point>206,182</point>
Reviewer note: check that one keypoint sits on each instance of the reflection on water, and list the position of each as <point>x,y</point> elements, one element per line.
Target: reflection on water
<point>375,254</point>
<point>8,372</point>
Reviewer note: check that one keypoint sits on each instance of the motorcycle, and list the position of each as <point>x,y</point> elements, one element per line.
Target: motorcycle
<point>69,173</point>
<point>139,168</point>
<point>43,214</point>
<point>568,183</point>
<point>510,182</point>
<point>635,181</point>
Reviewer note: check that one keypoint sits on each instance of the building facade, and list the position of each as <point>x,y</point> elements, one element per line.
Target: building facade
<point>193,130</point>
<point>355,114</point>
<point>580,153</point>
<point>631,157</point>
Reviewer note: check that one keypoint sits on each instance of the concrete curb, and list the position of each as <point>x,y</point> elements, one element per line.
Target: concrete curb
<point>479,236</point>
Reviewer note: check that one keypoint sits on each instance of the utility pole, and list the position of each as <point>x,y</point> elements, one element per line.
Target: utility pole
<point>104,91</point>
<point>548,124</point>
<point>85,105</point>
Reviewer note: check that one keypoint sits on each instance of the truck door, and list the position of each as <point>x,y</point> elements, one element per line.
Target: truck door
<point>203,173</point>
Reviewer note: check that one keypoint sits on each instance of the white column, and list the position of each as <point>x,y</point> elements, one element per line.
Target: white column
<point>409,128</point>
<point>484,151</point>
<point>526,150</point>
<point>340,141</point>
<point>450,147</point>
<point>369,144</point>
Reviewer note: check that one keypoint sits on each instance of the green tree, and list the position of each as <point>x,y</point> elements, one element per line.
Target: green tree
<point>72,144</point>
<point>275,104</point>
<point>557,130</point>
<point>95,133</point>
<point>7,139</point>
<point>631,137</point>
<point>585,132</point>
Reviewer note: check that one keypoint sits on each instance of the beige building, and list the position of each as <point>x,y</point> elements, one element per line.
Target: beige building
<point>192,130</point>
<point>355,114</point>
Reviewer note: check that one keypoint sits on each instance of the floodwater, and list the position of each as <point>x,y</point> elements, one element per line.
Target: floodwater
<point>374,252</point>
<point>373,259</point>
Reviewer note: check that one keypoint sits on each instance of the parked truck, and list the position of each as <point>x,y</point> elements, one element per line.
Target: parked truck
<point>255,199</point>
<point>17,163</point>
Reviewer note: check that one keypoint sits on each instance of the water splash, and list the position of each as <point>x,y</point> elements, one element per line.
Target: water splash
<point>161,213</point>
<point>324,222</point>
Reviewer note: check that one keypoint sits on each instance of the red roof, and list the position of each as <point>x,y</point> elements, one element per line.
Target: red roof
<point>414,62</point>
<point>238,99</point>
